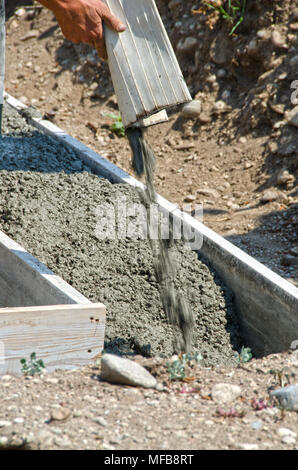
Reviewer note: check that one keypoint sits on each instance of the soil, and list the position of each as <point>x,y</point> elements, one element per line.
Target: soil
<point>226,160</point>
<point>182,415</point>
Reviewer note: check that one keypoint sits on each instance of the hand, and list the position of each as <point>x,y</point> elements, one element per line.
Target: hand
<point>81,21</point>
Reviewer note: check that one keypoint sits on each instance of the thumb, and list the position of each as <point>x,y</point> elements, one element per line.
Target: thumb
<point>114,23</point>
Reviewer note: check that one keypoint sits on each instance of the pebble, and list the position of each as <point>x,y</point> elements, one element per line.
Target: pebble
<point>289,260</point>
<point>220,106</point>
<point>64,443</point>
<point>295,13</point>
<point>221,51</point>
<point>174,4</point>
<point>60,414</point>
<point>204,118</point>
<point>285,432</point>
<point>190,198</point>
<point>20,12</point>
<point>31,34</point>
<point>263,34</point>
<point>5,378</point>
<point>284,176</point>
<point>100,420</point>
<point>225,393</point>
<point>119,370</point>
<point>159,387</point>
<point>247,165</point>
<point>19,420</point>
<point>268,196</point>
<point>23,99</point>
<point>277,39</point>
<point>221,73</point>
<point>192,109</point>
<point>294,26</point>
<point>252,47</point>
<point>3,441</point>
<point>208,192</point>
<point>293,117</point>
<point>51,380</point>
<point>289,440</point>
<point>294,251</point>
<point>294,61</point>
<point>246,446</point>
<point>187,45</point>
<point>256,425</point>
<point>5,424</point>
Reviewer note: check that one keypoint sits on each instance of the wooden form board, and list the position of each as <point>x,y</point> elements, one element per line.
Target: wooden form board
<point>63,336</point>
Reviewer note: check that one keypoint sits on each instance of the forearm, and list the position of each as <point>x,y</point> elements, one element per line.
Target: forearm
<point>52,4</point>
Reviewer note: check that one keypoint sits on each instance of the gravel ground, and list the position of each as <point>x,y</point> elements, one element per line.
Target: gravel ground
<point>98,415</point>
<point>48,202</point>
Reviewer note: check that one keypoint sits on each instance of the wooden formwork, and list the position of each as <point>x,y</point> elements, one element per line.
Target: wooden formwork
<point>267,304</point>
<point>43,314</point>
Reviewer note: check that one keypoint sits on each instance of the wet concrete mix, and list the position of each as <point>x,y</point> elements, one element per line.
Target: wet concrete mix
<point>51,203</point>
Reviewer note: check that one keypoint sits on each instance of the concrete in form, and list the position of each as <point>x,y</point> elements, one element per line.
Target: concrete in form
<point>267,304</point>
<point>62,335</point>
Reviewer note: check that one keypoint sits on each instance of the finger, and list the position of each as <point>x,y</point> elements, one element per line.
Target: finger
<point>100,46</point>
<point>111,21</point>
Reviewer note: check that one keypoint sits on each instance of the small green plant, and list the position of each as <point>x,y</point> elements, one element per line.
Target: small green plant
<point>245,355</point>
<point>231,10</point>
<point>117,126</point>
<point>33,367</point>
<point>176,369</point>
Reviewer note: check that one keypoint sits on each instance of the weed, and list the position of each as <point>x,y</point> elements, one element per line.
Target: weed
<point>176,369</point>
<point>231,413</point>
<point>117,126</point>
<point>230,10</point>
<point>33,367</point>
<point>244,356</point>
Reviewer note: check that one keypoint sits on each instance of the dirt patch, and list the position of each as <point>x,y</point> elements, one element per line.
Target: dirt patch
<point>49,203</point>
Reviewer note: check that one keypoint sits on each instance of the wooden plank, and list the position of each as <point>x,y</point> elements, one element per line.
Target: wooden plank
<point>144,69</point>
<point>63,336</point>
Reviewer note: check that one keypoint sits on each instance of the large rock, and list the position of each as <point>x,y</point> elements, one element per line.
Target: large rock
<point>118,370</point>
<point>287,397</point>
